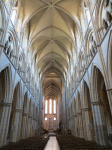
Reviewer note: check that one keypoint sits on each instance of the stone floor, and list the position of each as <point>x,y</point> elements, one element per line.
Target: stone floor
<point>52,144</point>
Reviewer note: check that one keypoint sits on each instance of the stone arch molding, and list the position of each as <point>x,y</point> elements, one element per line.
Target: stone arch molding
<point>11,46</point>
<point>8,82</point>
<point>109,58</point>
<point>14,39</point>
<point>92,79</point>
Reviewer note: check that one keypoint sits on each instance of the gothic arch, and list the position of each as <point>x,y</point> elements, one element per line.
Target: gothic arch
<point>100,102</point>
<point>14,40</point>
<point>93,77</point>
<point>5,83</point>
<point>85,102</point>
<point>109,58</point>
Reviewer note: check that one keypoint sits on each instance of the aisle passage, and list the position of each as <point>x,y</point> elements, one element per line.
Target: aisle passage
<point>52,144</point>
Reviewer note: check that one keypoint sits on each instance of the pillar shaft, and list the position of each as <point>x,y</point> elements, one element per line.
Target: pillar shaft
<point>100,124</point>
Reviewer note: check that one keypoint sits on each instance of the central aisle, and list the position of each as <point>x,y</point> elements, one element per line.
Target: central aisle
<point>52,144</point>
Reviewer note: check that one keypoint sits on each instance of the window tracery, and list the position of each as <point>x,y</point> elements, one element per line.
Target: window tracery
<point>9,47</point>
<point>50,107</point>
<point>105,17</point>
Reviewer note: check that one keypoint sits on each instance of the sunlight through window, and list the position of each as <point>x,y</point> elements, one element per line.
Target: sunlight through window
<point>54,106</point>
<point>46,118</point>
<point>46,105</point>
<point>54,118</point>
<point>50,106</point>
<point>88,16</point>
<point>13,16</point>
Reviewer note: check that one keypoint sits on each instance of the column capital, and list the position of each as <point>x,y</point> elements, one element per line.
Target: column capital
<point>86,109</point>
<point>18,110</point>
<point>30,116</point>
<point>5,104</point>
<point>34,118</point>
<point>97,103</point>
<point>79,113</point>
<point>25,114</point>
<point>75,115</point>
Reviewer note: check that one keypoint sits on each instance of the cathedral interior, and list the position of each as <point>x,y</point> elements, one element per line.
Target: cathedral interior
<point>55,74</point>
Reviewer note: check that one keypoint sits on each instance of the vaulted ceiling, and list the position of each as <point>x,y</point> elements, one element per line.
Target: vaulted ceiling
<point>51,27</point>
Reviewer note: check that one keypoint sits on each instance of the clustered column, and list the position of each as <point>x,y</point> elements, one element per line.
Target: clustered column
<point>15,125</point>
<point>5,109</point>
<point>30,126</point>
<point>87,124</point>
<point>24,126</point>
<point>100,129</point>
<point>79,125</point>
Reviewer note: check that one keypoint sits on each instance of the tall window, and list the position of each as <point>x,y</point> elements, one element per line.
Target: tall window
<point>88,15</point>
<point>46,106</point>
<point>13,16</point>
<point>54,106</point>
<point>50,106</point>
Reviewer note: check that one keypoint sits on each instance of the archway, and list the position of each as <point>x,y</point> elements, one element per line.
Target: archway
<point>87,113</point>
<point>5,103</point>
<point>101,109</point>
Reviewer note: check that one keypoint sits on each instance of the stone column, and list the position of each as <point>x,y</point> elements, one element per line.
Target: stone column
<point>95,126</point>
<point>36,126</point>
<point>71,124</point>
<point>14,125</point>
<point>33,126</point>
<point>5,109</point>
<point>80,125</point>
<point>100,121</point>
<point>88,124</point>
<point>75,125</point>
<point>30,126</point>
<point>34,123</point>
<point>24,126</point>
<point>84,124</point>
<point>19,125</point>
